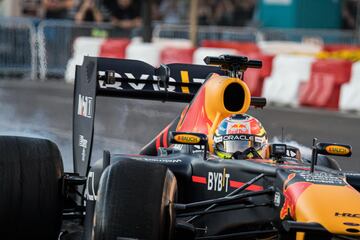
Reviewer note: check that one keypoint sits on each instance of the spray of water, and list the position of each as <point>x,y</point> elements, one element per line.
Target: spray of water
<point>305,151</point>
<point>38,125</point>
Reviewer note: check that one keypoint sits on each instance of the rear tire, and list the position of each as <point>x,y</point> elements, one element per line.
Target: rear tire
<point>135,201</point>
<point>30,198</point>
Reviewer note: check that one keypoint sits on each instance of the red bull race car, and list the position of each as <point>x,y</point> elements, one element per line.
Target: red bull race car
<point>175,188</point>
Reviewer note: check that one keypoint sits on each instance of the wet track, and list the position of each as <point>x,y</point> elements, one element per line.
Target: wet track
<point>44,109</point>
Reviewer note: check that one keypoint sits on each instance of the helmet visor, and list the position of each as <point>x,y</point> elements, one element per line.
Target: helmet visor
<point>233,146</point>
<point>238,142</point>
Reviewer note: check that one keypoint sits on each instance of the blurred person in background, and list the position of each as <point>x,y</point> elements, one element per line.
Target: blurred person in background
<point>205,12</point>
<point>57,9</point>
<point>30,8</point>
<point>124,14</point>
<point>244,11</point>
<point>168,10</point>
<point>349,13</point>
<point>88,12</point>
<point>224,13</point>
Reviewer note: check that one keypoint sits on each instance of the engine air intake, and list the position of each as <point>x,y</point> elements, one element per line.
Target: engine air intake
<point>234,97</point>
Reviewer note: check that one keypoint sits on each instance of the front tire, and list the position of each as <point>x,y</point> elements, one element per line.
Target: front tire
<point>135,201</point>
<point>30,182</point>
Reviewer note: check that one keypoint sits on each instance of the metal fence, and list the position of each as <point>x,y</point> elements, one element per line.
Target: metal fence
<point>18,47</point>
<point>56,40</point>
<point>257,34</point>
<point>207,32</point>
<point>300,35</point>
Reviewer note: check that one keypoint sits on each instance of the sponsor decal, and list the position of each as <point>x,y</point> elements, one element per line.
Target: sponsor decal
<point>218,181</point>
<point>238,128</point>
<point>187,138</point>
<point>90,187</point>
<point>163,160</point>
<point>352,174</point>
<point>85,106</point>
<point>259,139</point>
<point>349,215</point>
<point>337,150</point>
<point>277,199</point>
<point>159,160</point>
<point>140,86</point>
<point>198,149</point>
<point>233,137</point>
<point>116,85</point>
<point>217,139</point>
<point>83,144</point>
<point>321,178</point>
<point>178,146</point>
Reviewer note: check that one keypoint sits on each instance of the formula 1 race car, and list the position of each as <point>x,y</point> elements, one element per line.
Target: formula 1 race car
<point>175,188</point>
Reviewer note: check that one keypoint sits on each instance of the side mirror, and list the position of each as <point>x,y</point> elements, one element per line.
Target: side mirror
<point>190,138</point>
<point>334,149</point>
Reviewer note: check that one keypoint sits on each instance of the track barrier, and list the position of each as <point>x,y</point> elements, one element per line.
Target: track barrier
<point>349,93</point>
<point>254,78</point>
<point>323,88</point>
<point>242,47</point>
<point>147,52</point>
<point>288,72</point>
<point>114,47</point>
<point>177,55</point>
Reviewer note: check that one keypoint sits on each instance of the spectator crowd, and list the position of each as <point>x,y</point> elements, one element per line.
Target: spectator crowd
<point>127,13</point>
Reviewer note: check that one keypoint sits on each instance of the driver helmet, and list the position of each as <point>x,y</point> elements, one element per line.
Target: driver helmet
<point>237,134</point>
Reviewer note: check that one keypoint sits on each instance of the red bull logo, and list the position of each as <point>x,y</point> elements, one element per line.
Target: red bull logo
<point>291,193</point>
<point>238,128</point>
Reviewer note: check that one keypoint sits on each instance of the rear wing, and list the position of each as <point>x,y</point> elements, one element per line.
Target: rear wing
<point>128,79</point>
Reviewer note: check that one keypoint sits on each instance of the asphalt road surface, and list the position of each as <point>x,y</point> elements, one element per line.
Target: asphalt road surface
<point>44,109</point>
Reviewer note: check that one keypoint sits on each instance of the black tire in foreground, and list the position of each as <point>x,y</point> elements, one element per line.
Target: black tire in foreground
<point>30,181</point>
<point>135,201</point>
